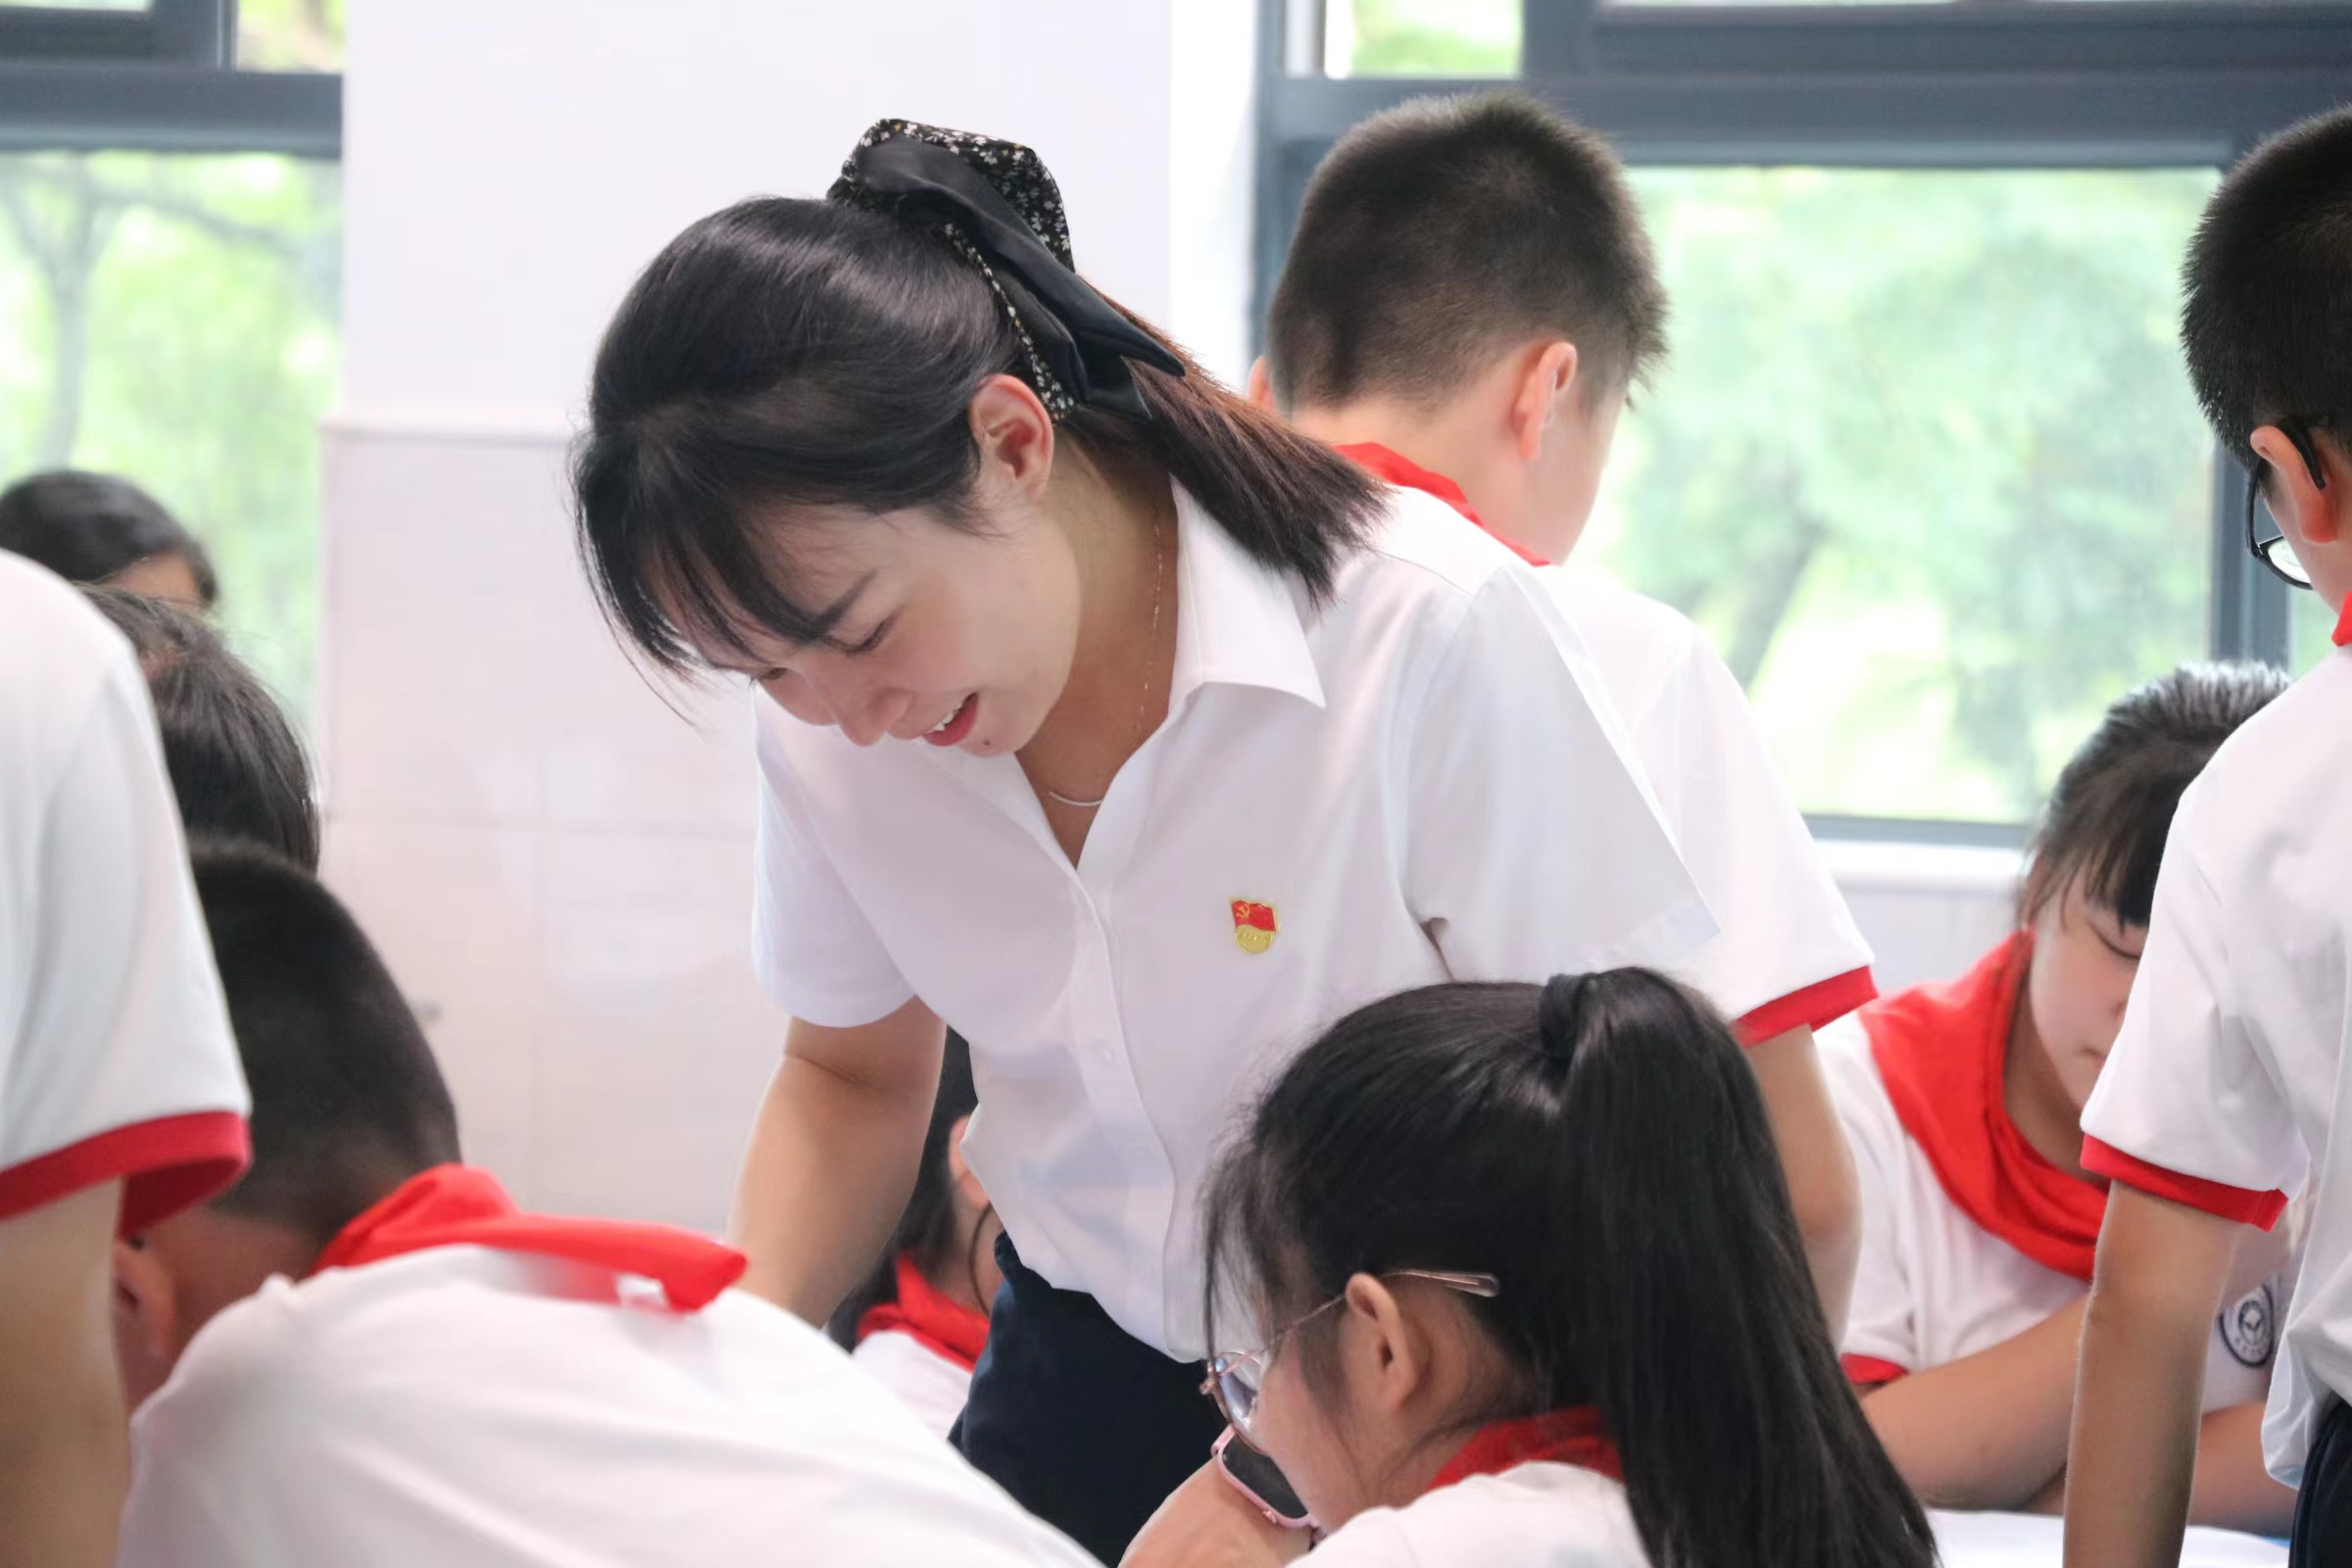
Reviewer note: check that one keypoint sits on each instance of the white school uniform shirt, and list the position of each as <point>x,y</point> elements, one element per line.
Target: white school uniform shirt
<point>2226,1086</point>
<point>1933,1286</point>
<point>1416,777</point>
<point>1789,952</point>
<point>1537,1515</point>
<point>928,1384</point>
<point>116,1059</point>
<point>468,1408</point>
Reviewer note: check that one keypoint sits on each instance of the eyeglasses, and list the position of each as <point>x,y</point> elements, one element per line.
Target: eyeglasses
<point>2275,552</point>
<point>1236,1377</point>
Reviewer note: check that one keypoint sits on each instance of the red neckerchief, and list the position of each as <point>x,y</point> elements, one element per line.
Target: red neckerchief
<point>1572,1436</point>
<point>458,1206</point>
<point>1941,1052</point>
<point>1398,469</point>
<point>2343,626</point>
<point>924,1315</point>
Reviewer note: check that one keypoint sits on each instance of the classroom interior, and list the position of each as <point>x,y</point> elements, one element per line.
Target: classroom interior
<point>327,278</point>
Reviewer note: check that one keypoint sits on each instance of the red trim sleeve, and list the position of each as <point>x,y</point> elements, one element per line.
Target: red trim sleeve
<point>1824,1002</point>
<point>2240,1204</point>
<point>1869,1371</point>
<point>164,1165</point>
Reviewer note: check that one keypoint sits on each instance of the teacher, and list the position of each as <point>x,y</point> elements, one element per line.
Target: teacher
<point>1098,716</point>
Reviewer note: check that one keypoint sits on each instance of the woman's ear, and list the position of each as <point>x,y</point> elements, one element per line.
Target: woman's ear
<point>1384,1349</point>
<point>1014,434</point>
<point>1548,376</point>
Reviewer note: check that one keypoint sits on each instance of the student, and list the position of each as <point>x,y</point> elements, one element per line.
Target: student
<point>364,1354</point>
<point>94,528</point>
<point>1099,716</point>
<point>2226,1086</point>
<point>1467,299</point>
<point>1501,1315</point>
<point>120,1100</point>
<point>920,1320</point>
<point>1963,1104</point>
<point>237,769</point>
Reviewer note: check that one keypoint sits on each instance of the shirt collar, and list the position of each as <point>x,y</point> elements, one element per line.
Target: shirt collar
<point>460,1206</point>
<point>1239,622</point>
<point>1387,463</point>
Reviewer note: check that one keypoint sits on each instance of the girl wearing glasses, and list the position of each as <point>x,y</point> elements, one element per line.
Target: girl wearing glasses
<point>1538,1297</point>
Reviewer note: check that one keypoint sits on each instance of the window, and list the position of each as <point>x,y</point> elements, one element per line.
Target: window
<point>1421,38</point>
<point>174,313</point>
<point>1923,463</point>
<point>1923,459</point>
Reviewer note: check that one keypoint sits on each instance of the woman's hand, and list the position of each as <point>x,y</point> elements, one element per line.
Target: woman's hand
<point>833,1156</point>
<point>1206,1523</point>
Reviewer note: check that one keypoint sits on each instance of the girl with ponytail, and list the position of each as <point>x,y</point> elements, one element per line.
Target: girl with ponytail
<point>1099,716</point>
<point>1527,1290</point>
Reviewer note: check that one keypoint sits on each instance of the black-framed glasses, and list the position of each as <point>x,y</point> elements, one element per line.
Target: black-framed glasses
<point>2275,552</point>
<point>1236,1377</point>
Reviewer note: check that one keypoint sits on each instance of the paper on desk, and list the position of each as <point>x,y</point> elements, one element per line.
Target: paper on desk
<point>2031,1540</point>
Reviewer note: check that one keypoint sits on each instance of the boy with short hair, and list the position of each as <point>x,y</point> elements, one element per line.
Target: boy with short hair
<point>365,1355</point>
<point>2225,1088</point>
<point>1467,301</point>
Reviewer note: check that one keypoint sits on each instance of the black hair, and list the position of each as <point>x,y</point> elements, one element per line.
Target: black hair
<point>2108,817</point>
<point>790,353</point>
<point>347,1099</point>
<point>87,527</point>
<point>2267,322</point>
<point>236,767</point>
<point>928,1233</point>
<point>1599,1146</point>
<point>1445,230</point>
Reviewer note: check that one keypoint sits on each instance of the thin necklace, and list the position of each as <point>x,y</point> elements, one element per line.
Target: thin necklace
<point>1143,707</point>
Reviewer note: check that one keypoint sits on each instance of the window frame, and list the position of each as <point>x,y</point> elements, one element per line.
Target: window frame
<point>161,80</point>
<point>1962,84</point>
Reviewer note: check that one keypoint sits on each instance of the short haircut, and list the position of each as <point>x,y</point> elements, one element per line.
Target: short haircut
<point>87,527</point>
<point>1447,231</point>
<point>238,770</point>
<point>2112,808</point>
<point>2267,322</point>
<point>347,1099</point>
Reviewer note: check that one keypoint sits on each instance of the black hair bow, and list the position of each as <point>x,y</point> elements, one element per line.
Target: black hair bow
<point>998,208</point>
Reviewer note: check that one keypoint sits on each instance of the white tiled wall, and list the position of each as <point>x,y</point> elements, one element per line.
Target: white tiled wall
<point>556,863</point>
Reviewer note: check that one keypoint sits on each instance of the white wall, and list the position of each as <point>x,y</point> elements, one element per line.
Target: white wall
<point>556,863</point>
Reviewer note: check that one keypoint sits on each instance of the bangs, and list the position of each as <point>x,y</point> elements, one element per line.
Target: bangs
<point>678,568</point>
<point>2119,870</point>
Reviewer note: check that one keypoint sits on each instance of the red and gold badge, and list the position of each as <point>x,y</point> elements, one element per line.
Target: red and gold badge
<point>1254,926</point>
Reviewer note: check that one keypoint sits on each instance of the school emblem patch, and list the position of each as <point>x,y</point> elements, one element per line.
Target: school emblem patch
<point>1253,926</point>
<point>2250,1328</point>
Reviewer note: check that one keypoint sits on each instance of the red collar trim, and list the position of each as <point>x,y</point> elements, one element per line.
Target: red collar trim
<point>923,1314</point>
<point>1942,1053</point>
<point>2344,624</point>
<point>1573,1436</point>
<point>458,1206</point>
<point>1398,469</point>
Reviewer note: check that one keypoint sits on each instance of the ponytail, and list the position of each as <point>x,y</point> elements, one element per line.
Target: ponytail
<point>824,354</point>
<point>1289,502</point>
<point>1598,1145</point>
